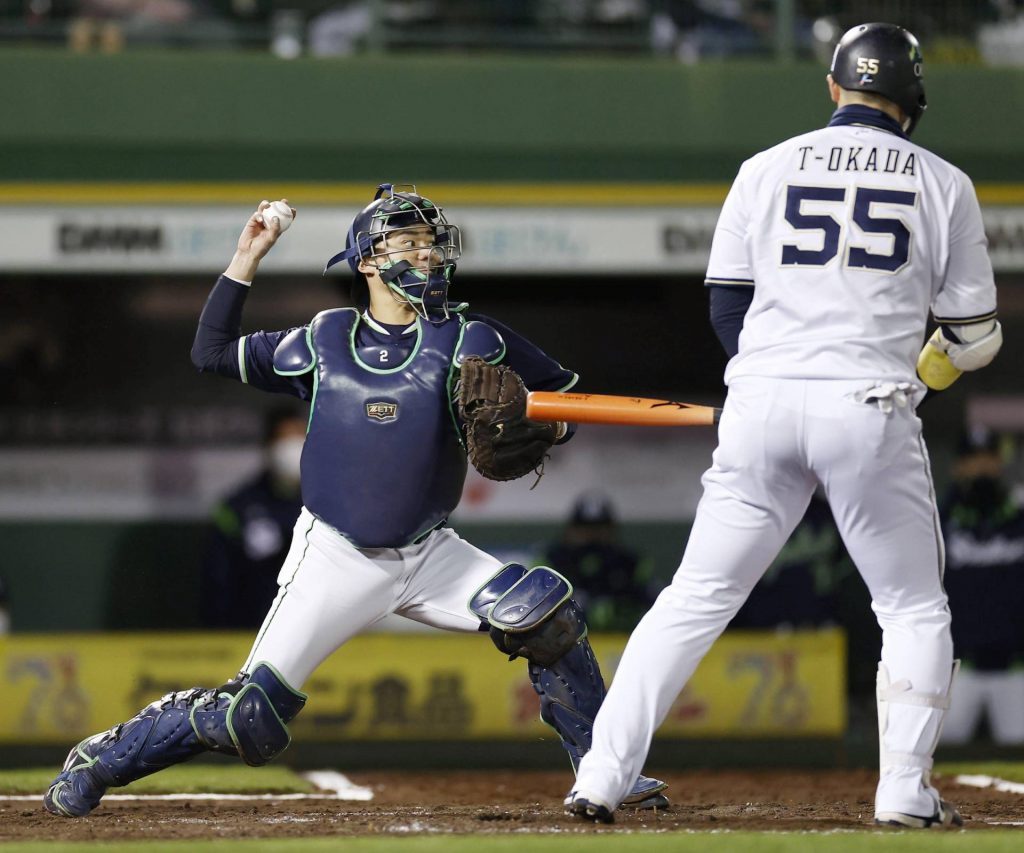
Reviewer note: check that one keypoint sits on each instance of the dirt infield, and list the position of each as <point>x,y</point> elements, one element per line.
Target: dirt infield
<point>505,802</point>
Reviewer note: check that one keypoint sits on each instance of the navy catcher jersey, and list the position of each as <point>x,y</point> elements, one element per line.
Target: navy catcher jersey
<point>383,462</point>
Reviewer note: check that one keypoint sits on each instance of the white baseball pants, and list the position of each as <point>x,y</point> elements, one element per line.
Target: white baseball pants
<point>330,591</point>
<point>779,438</point>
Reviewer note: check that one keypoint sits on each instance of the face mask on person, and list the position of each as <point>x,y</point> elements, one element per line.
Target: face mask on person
<point>284,458</point>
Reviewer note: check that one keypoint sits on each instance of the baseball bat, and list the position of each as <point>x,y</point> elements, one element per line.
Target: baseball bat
<point>614,409</point>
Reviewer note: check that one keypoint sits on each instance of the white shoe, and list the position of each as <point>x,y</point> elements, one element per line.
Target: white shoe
<point>946,816</point>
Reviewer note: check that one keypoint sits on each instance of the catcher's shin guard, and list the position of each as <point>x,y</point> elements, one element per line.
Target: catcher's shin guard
<point>245,718</point>
<point>157,737</point>
<point>532,615</point>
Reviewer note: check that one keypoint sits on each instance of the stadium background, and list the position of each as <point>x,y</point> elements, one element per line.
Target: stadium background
<point>585,155</point>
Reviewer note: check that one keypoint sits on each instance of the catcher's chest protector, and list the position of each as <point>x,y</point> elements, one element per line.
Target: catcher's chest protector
<point>383,463</point>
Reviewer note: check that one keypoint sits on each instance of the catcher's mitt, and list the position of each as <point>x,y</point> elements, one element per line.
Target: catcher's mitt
<point>501,441</point>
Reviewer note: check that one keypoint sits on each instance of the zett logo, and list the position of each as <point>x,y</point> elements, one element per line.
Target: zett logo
<point>382,411</point>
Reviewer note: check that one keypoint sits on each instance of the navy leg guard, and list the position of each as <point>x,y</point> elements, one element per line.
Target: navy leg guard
<point>157,737</point>
<point>532,615</point>
<point>571,691</point>
<point>245,718</point>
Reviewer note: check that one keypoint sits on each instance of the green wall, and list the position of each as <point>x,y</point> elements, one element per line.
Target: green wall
<point>241,117</point>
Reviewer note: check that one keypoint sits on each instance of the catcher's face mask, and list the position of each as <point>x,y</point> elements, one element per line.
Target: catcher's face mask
<point>414,248</point>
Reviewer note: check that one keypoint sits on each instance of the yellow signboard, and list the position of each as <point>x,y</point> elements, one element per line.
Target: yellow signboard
<point>60,687</point>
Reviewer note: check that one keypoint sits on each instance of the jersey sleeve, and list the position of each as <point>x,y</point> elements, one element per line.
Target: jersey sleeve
<point>968,291</point>
<point>256,353</point>
<point>729,262</point>
<point>728,309</point>
<point>538,370</point>
<point>221,348</point>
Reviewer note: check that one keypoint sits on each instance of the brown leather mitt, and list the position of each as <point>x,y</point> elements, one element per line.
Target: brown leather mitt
<point>502,443</point>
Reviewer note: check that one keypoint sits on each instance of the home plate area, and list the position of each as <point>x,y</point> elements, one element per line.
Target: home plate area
<point>497,802</point>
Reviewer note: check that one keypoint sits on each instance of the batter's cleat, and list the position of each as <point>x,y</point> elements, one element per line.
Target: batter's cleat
<point>945,817</point>
<point>576,805</point>
<point>646,794</point>
<point>78,788</point>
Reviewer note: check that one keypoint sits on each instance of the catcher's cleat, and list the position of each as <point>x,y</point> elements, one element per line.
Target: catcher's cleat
<point>78,789</point>
<point>579,806</point>
<point>946,816</point>
<point>646,794</point>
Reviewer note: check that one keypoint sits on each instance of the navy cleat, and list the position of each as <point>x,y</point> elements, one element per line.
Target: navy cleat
<point>646,794</point>
<point>945,817</point>
<point>78,788</point>
<point>577,805</point>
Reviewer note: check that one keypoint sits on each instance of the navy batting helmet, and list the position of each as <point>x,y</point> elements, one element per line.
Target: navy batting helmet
<point>884,59</point>
<point>393,211</point>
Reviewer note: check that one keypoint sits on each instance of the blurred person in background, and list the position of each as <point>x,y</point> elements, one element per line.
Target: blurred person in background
<point>613,583</point>
<point>252,529</point>
<point>984,533</point>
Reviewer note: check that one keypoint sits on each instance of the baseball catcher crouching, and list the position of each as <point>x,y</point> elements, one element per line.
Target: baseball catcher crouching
<point>530,613</point>
<point>247,717</point>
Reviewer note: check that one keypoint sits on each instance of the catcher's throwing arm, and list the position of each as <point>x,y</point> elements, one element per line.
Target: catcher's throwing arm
<point>614,409</point>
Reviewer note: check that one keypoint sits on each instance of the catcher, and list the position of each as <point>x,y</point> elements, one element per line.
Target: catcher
<point>401,389</point>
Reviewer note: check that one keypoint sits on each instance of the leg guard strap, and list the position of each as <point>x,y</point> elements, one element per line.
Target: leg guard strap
<point>932,710</point>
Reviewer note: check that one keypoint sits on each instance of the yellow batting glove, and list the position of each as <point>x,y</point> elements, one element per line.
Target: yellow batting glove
<point>933,364</point>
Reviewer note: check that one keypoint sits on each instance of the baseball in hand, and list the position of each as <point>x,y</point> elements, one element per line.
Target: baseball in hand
<point>283,213</point>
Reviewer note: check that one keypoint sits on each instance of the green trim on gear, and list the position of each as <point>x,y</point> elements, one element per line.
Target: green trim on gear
<point>450,384</point>
<point>316,374</point>
<point>231,728</point>
<point>301,370</point>
<point>378,370</point>
<point>281,678</point>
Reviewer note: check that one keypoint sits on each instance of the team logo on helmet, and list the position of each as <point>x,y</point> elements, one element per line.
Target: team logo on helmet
<point>886,60</point>
<point>382,411</point>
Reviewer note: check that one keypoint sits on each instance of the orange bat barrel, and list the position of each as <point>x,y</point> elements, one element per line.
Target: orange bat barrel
<point>613,409</point>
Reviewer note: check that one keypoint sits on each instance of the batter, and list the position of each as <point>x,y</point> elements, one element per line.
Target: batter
<point>830,249</point>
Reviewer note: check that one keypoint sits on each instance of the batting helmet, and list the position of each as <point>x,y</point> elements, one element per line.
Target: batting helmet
<point>884,59</point>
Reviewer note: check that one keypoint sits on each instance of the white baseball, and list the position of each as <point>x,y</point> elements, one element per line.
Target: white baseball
<point>282,211</point>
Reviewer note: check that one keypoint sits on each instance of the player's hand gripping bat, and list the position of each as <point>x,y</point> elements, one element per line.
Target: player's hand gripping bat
<point>613,409</point>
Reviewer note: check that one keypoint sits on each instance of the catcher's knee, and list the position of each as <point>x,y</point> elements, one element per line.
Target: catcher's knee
<point>249,717</point>
<point>530,613</point>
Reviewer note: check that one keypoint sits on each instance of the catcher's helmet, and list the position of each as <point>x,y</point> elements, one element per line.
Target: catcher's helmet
<point>393,211</point>
<point>884,59</point>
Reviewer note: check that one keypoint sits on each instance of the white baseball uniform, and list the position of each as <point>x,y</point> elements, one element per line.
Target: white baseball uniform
<point>330,591</point>
<point>848,235</point>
